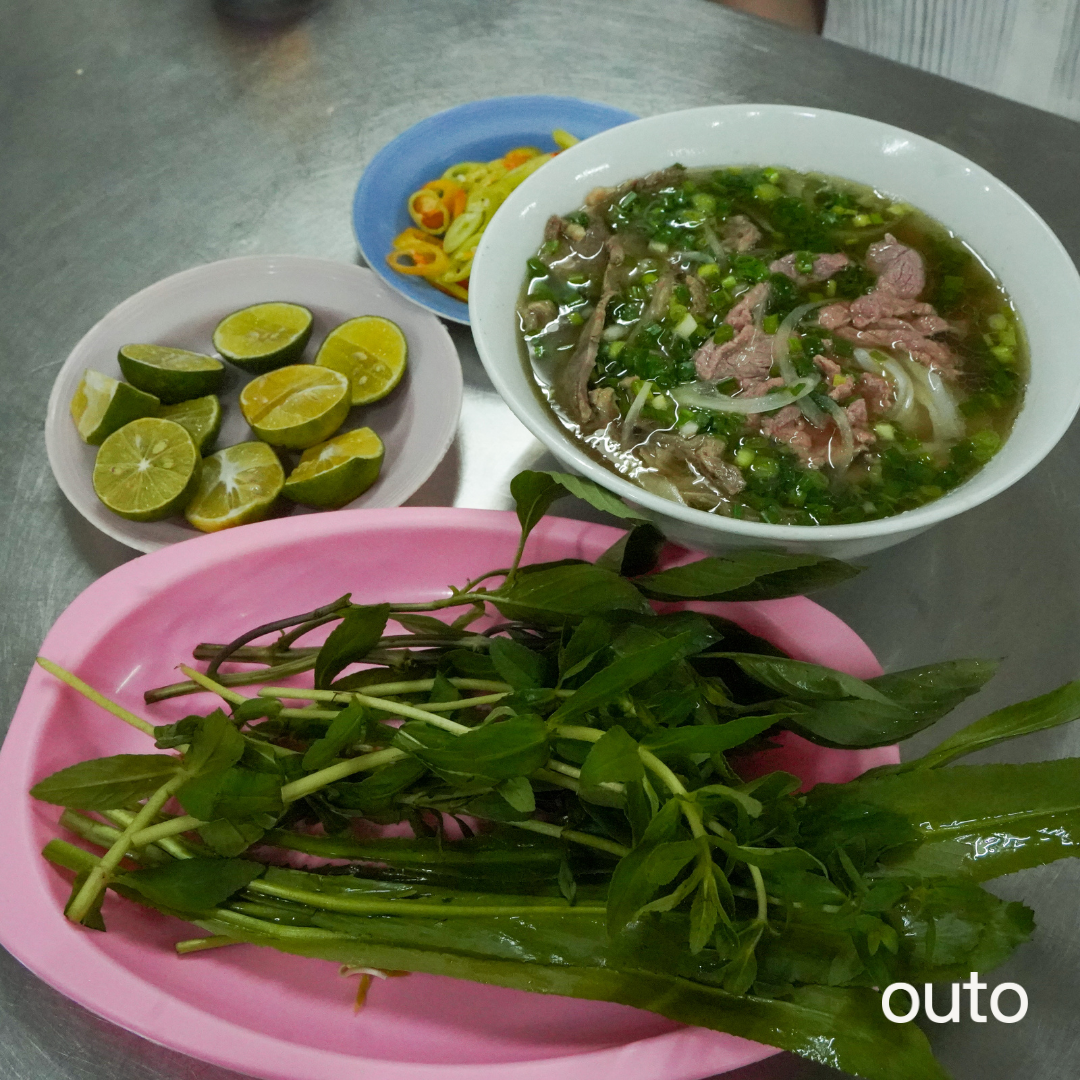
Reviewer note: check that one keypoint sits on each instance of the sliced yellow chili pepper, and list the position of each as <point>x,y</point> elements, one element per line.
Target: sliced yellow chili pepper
<point>429,211</point>
<point>428,259</point>
<point>518,156</point>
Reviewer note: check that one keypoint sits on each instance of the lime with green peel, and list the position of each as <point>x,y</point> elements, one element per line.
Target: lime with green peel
<point>238,485</point>
<point>371,351</point>
<point>102,405</point>
<point>201,417</point>
<point>172,375</point>
<point>148,470</point>
<point>263,337</point>
<point>296,406</point>
<point>336,472</point>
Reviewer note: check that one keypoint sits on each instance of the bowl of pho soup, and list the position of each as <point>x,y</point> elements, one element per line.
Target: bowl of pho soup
<point>773,326</point>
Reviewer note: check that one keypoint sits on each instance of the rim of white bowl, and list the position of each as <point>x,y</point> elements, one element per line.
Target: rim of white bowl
<point>550,432</point>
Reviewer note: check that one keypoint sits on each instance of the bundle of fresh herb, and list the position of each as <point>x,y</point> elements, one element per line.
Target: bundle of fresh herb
<point>622,856</point>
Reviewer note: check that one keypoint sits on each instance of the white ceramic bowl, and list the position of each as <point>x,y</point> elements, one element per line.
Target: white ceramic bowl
<point>1014,241</point>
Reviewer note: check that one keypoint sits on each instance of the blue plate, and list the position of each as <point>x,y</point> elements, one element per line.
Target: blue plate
<point>479,131</point>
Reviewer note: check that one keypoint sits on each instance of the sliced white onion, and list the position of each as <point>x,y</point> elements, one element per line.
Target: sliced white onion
<point>694,256</point>
<point>633,414</point>
<point>814,413</point>
<point>719,254</point>
<point>934,396</point>
<point>615,331</point>
<point>903,387</point>
<point>847,439</point>
<point>701,396</point>
<point>781,347</point>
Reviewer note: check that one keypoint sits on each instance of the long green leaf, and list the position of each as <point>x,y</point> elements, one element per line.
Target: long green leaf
<point>709,738</point>
<point>749,575</point>
<point>193,884</point>
<point>109,783</point>
<point>1060,706</point>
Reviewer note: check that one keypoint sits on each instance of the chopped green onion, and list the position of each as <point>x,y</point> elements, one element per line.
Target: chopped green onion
<point>770,324</point>
<point>885,431</point>
<point>767,192</point>
<point>574,319</point>
<point>660,403</point>
<point>615,348</point>
<point>723,333</point>
<point>1004,353</point>
<point>536,268</point>
<point>804,262</point>
<point>744,457</point>
<point>657,247</point>
<point>861,221</point>
<point>708,270</point>
<point>549,247</point>
<point>997,321</point>
<point>649,277</point>
<point>830,287</point>
<point>687,325</point>
<point>730,282</point>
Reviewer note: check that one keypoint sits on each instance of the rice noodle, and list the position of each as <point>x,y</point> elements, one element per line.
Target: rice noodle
<point>934,396</point>
<point>719,254</point>
<point>634,413</point>
<point>702,396</point>
<point>693,256</point>
<point>847,439</point>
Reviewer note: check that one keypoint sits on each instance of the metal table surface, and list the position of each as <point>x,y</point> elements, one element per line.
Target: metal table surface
<point>140,139</point>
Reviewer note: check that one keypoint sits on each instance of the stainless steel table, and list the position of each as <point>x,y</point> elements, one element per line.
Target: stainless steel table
<point>138,139</point>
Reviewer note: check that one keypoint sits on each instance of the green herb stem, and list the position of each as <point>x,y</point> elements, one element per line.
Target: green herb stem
<point>581,734</point>
<point>231,696</point>
<point>306,785</point>
<point>98,699</point>
<point>561,832</point>
<point>155,834</point>
<point>98,878</point>
<point>178,849</point>
<point>440,910</point>
<point>194,945</point>
<point>242,678</point>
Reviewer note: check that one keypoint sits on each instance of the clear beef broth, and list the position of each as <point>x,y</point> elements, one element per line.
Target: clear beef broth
<point>771,345</point>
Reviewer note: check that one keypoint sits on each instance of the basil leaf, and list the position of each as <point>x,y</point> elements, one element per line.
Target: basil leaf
<point>517,664</point>
<point>428,626</point>
<point>613,758</point>
<point>639,876</point>
<point>589,637</point>
<point>636,552</point>
<point>255,709</point>
<point>194,885</point>
<point>595,495</point>
<point>533,493</point>
<point>1060,706</point>
<point>230,838</point>
<point>376,791</point>
<point>232,793</point>
<point>518,792</point>
<point>215,745</point>
<point>499,751</point>
<point>624,673</point>
<point>108,783</point>
<point>776,860</point>
<point>350,641</point>
<point>558,593</point>
<point>345,729</point>
<point>709,738</point>
<point>747,575</point>
<point>803,681</point>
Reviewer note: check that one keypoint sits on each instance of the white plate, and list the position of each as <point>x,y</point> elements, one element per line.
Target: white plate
<point>416,422</point>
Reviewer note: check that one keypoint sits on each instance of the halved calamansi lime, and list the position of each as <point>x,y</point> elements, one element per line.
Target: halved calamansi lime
<point>336,472</point>
<point>238,485</point>
<point>102,405</point>
<point>200,416</point>
<point>371,351</point>
<point>147,470</point>
<point>172,375</point>
<point>296,406</point>
<point>264,336</point>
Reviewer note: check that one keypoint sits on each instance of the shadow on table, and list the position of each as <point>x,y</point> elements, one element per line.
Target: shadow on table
<point>101,553</point>
<point>264,14</point>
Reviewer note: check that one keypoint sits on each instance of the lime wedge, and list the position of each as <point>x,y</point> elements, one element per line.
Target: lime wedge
<point>170,374</point>
<point>336,472</point>
<point>147,470</point>
<point>296,406</point>
<point>371,351</point>
<point>201,417</point>
<point>238,485</point>
<point>102,405</point>
<point>264,337</point>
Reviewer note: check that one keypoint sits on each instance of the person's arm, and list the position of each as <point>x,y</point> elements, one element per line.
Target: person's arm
<point>805,15</point>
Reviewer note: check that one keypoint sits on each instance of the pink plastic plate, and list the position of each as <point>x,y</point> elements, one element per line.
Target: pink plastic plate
<point>289,1018</point>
